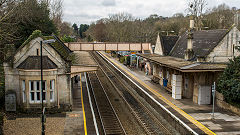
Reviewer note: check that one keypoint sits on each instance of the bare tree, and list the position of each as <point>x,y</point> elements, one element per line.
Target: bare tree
<point>65,29</point>
<point>196,8</point>
<point>7,27</point>
<point>56,7</point>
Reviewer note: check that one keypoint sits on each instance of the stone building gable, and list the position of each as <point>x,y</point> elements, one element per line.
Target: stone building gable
<point>158,48</point>
<point>226,48</point>
<point>33,49</point>
<point>164,44</point>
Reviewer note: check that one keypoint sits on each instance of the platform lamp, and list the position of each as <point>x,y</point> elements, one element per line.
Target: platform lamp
<point>43,109</point>
<point>153,48</point>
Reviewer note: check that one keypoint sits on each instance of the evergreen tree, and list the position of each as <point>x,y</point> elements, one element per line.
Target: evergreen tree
<point>83,28</point>
<point>229,82</point>
<point>32,15</point>
<point>75,28</point>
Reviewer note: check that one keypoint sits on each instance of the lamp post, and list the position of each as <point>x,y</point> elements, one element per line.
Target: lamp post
<point>43,110</point>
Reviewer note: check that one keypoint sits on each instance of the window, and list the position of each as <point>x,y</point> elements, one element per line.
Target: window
<point>23,91</point>
<point>35,91</point>
<point>167,75</point>
<point>52,90</point>
<point>37,52</point>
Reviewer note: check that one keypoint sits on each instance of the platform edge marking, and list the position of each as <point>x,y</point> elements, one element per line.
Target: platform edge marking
<point>187,116</point>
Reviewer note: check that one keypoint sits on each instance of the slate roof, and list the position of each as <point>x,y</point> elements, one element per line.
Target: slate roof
<point>34,62</point>
<point>167,43</point>
<point>203,42</point>
<point>60,47</point>
<point>183,65</point>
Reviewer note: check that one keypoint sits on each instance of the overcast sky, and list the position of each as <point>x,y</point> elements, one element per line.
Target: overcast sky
<point>87,11</point>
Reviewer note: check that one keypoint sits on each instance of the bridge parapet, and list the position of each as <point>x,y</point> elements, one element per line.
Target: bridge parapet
<point>79,46</point>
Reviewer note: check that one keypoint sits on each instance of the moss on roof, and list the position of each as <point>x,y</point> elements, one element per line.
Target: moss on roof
<point>60,47</point>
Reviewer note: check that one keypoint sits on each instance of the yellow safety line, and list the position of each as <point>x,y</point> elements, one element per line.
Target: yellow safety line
<point>84,117</point>
<point>187,116</point>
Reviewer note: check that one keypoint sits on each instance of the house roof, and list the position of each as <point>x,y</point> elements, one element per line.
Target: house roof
<point>59,46</point>
<point>183,65</point>
<point>34,62</point>
<point>203,42</point>
<point>167,43</point>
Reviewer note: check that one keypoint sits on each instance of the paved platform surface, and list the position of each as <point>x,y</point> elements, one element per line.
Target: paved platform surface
<point>225,122</point>
<point>79,121</point>
<point>74,124</point>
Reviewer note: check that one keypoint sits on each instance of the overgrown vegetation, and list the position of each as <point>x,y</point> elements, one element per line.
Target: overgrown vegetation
<point>18,19</point>
<point>229,82</point>
<point>67,39</point>
<point>35,34</point>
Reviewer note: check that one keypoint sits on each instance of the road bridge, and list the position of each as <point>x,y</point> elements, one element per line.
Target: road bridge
<point>79,46</point>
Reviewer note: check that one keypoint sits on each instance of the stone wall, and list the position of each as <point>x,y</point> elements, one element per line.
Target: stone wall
<point>225,49</point>
<point>222,104</point>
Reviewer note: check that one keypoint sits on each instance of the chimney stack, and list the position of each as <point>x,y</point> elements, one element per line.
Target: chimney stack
<point>189,53</point>
<point>236,18</point>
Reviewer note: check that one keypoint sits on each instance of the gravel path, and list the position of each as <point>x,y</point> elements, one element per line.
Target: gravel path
<point>32,126</point>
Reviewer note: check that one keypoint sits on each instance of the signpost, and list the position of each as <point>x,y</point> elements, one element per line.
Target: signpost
<point>213,94</point>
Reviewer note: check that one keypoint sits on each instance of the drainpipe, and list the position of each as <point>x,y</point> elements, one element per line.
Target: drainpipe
<point>233,50</point>
<point>57,92</point>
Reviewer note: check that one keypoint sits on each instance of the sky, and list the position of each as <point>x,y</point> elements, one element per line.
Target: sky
<point>88,11</point>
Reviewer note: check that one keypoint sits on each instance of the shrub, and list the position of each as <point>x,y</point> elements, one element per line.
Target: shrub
<point>122,59</point>
<point>67,39</point>
<point>229,82</point>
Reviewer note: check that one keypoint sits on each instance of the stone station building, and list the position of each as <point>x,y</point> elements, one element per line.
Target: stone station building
<point>194,62</point>
<point>23,74</point>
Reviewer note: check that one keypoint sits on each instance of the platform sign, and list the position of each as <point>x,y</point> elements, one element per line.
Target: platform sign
<point>10,102</point>
<point>213,94</point>
<point>213,89</point>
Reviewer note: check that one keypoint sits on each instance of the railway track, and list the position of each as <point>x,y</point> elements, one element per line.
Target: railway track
<point>147,120</point>
<point>110,122</point>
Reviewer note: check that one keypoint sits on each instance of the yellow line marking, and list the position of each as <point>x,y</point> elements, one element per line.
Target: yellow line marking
<point>84,117</point>
<point>187,116</point>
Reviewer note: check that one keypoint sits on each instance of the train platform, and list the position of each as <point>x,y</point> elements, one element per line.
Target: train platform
<point>224,122</point>
<point>80,121</point>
